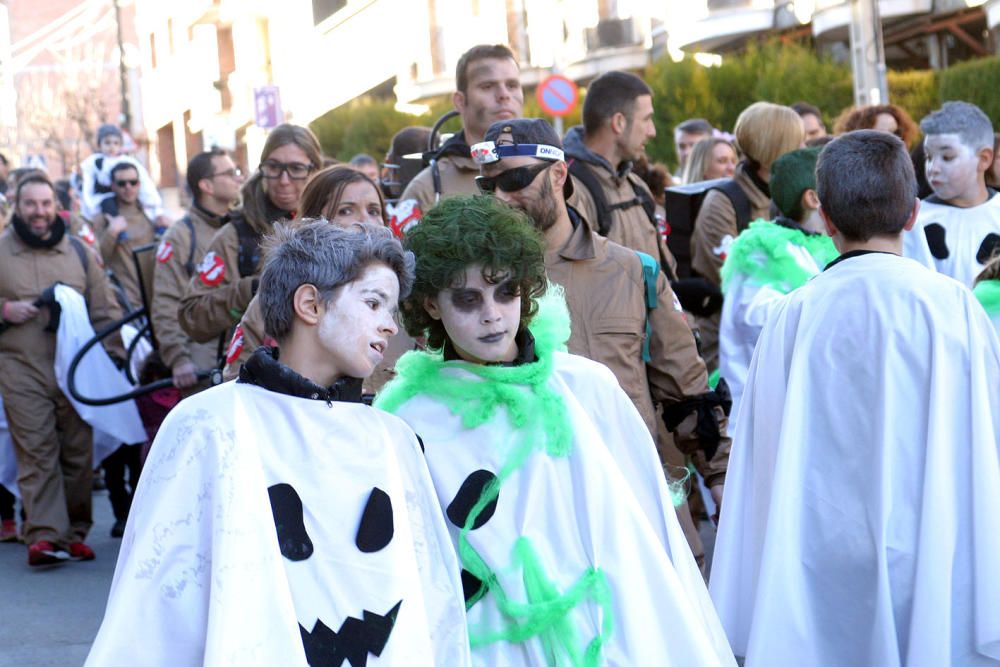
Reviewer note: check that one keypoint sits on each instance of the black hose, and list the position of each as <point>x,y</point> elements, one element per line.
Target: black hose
<point>215,375</point>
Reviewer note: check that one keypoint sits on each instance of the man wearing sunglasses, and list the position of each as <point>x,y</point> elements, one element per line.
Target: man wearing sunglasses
<point>118,234</point>
<point>214,181</point>
<point>487,89</point>
<point>622,314</point>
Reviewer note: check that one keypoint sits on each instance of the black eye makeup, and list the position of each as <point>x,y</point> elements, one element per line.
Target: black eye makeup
<point>465,300</point>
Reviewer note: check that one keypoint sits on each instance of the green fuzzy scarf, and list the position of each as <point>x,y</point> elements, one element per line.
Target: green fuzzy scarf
<point>541,422</point>
<point>988,293</point>
<point>761,254</point>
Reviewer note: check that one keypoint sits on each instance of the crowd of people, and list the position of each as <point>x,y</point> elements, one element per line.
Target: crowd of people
<point>477,407</point>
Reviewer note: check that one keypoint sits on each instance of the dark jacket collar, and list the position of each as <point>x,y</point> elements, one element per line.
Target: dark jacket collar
<point>456,145</point>
<point>749,167</point>
<point>264,370</point>
<point>788,223</point>
<point>23,232</point>
<point>576,148</point>
<point>525,350</point>
<point>203,214</point>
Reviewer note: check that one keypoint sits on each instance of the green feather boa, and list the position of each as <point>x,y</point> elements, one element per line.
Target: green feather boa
<point>541,420</point>
<point>761,253</point>
<point>988,293</point>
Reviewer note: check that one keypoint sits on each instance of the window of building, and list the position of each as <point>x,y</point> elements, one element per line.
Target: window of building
<point>323,9</point>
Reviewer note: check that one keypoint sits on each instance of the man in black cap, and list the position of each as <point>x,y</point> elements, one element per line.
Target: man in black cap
<point>622,309</point>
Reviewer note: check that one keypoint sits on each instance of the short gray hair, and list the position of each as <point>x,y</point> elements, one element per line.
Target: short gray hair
<point>964,119</point>
<point>316,252</point>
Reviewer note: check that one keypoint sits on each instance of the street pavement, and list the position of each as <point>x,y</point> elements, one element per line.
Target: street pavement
<point>50,616</point>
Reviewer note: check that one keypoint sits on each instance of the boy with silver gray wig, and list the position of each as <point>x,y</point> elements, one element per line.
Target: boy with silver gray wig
<point>356,538</point>
<point>958,228</point>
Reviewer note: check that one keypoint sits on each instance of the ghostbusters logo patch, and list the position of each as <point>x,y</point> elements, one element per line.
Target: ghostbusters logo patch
<point>403,216</point>
<point>235,345</point>
<point>722,250</point>
<point>212,269</point>
<point>87,234</point>
<point>164,252</point>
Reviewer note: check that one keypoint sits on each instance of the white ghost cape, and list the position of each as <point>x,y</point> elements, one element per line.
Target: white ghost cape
<point>988,293</point>
<point>96,377</point>
<point>954,241</point>
<point>260,524</point>
<point>570,547</point>
<point>765,262</point>
<point>861,522</point>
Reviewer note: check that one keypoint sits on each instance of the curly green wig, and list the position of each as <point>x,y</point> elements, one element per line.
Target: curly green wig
<point>464,231</point>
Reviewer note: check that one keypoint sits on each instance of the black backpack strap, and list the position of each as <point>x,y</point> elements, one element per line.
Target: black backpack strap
<point>81,252</point>
<point>740,201</point>
<point>249,246</point>
<point>189,265</point>
<point>589,181</point>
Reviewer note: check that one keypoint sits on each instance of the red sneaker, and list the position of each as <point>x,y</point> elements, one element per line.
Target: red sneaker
<point>80,551</point>
<point>8,530</point>
<point>45,553</point>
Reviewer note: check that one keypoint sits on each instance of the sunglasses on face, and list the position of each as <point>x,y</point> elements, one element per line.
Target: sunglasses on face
<point>511,180</point>
<point>132,182</point>
<point>296,171</point>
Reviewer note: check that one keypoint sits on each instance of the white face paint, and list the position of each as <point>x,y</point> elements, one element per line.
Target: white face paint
<point>480,318</point>
<point>359,321</point>
<point>951,167</point>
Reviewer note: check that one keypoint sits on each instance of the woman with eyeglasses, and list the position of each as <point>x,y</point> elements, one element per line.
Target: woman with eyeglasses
<point>343,196</point>
<point>227,276</point>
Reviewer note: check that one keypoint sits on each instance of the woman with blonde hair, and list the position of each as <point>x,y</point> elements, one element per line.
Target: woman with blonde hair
<point>764,132</point>
<point>711,158</point>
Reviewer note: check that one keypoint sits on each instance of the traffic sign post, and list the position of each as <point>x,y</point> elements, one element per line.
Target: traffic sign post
<point>558,97</point>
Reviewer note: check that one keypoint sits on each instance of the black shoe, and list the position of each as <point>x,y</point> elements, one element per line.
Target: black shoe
<point>118,529</point>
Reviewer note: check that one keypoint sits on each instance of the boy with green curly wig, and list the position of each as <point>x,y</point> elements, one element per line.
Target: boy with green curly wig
<point>570,546</point>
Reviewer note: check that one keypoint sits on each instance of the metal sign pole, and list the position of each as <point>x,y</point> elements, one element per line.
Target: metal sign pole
<point>868,54</point>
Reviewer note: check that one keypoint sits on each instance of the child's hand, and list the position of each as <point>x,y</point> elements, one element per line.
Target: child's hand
<point>162,222</point>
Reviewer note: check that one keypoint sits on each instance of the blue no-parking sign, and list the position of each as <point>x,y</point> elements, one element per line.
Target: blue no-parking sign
<point>557,95</point>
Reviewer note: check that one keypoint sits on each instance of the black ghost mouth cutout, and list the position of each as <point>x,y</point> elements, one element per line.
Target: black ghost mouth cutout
<point>355,639</point>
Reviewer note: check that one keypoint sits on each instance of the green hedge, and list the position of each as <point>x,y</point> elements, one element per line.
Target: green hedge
<point>975,81</point>
<point>366,125</point>
<point>777,71</point>
<point>916,91</point>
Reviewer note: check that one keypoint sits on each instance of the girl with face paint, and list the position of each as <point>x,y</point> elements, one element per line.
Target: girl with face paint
<point>558,506</point>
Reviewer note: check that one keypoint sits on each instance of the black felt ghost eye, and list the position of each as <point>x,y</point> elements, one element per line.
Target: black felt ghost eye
<point>989,246</point>
<point>286,508</point>
<point>473,587</point>
<point>468,495</point>
<point>936,240</point>
<point>376,529</point>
